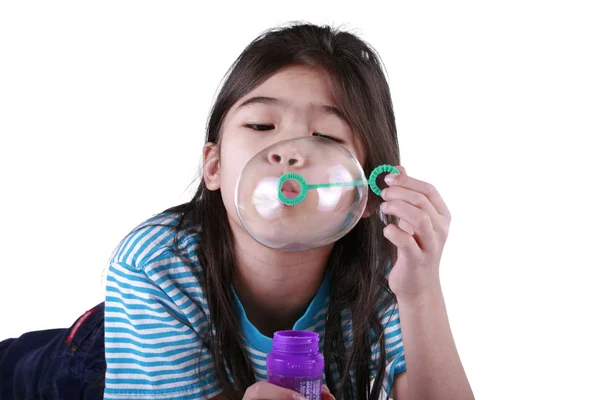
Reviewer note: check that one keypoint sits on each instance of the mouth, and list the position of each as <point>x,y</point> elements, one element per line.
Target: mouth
<point>290,189</point>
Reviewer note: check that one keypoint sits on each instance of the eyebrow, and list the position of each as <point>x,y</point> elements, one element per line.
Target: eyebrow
<point>272,101</point>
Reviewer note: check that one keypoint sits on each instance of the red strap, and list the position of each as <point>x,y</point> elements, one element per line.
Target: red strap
<point>77,324</point>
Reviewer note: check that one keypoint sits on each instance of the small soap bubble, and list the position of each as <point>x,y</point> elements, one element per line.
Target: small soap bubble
<point>301,194</point>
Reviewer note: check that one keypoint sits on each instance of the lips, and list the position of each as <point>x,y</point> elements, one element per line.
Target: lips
<point>290,189</point>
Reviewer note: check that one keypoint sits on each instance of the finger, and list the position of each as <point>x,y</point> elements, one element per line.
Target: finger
<point>267,391</point>
<point>406,244</point>
<point>422,187</point>
<point>406,227</point>
<point>326,394</point>
<point>418,200</point>
<point>419,220</point>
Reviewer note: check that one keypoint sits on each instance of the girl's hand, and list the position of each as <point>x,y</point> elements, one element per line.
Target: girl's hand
<point>420,235</point>
<point>326,394</point>
<point>268,391</point>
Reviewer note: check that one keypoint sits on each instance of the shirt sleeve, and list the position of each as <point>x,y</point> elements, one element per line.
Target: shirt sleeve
<point>153,347</point>
<point>395,362</point>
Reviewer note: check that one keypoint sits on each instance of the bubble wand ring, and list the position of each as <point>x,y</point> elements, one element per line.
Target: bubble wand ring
<point>292,201</point>
<point>378,171</point>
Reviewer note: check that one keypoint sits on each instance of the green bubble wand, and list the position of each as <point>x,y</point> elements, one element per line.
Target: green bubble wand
<point>305,187</point>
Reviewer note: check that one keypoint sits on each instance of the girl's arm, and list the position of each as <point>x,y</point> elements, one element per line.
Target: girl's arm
<point>434,369</point>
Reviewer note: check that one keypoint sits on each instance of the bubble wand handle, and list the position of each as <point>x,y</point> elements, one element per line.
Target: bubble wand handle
<point>305,187</point>
<point>334,184</point>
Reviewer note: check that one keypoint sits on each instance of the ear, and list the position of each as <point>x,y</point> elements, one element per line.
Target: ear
<point>212,166</point>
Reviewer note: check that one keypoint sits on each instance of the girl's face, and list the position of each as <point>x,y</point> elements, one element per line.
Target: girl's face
<point>294,102</point>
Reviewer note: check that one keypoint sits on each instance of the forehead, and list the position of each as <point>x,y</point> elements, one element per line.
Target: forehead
<point>297,85</point>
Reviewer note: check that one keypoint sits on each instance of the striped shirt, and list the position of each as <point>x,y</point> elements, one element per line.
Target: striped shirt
<point>157,319</point>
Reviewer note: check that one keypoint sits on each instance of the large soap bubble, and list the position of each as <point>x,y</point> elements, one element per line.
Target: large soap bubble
<point>301,193</point>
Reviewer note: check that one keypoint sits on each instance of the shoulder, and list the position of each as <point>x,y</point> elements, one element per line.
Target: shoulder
<point>156,266</point>
<point>151,239</point>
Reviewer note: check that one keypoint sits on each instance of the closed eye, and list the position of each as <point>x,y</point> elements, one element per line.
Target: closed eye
<point>317,134</point>
<point>268,127</point>
<point>260,127</point>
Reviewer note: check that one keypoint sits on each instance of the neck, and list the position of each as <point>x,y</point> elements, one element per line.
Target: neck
<point>275,287</point>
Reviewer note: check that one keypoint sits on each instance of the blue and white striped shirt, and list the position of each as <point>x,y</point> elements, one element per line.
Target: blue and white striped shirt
<point>156,320</point>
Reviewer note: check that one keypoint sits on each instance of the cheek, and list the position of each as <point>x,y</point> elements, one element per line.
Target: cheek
<point>234,155</point>
<point>359,153</point>
<point>232,165</point>
<point>358,150</point>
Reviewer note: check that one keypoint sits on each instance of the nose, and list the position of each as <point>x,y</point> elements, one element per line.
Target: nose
<point>289,158</point>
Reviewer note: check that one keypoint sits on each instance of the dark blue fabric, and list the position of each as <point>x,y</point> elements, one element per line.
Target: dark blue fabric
<point>42,365</point>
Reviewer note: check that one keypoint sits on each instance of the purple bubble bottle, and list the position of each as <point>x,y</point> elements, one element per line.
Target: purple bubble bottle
<point>295,363</point>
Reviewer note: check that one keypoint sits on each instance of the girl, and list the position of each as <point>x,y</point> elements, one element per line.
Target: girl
<point>192,301</point>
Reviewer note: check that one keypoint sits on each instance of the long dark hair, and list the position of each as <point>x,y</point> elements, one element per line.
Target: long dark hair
<point>358,261</point>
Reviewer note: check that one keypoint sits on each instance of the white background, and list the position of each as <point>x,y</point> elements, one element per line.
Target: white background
<point>102,113</point>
